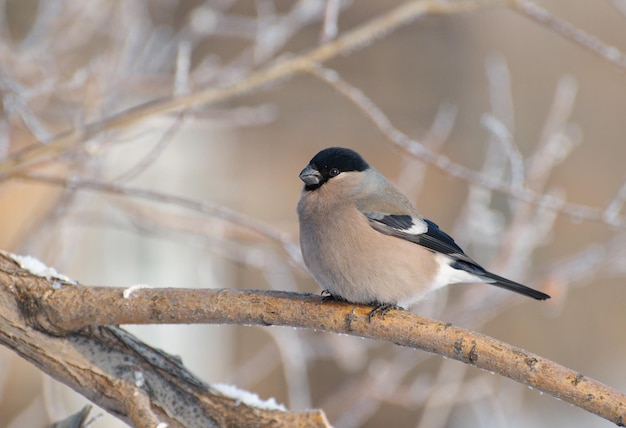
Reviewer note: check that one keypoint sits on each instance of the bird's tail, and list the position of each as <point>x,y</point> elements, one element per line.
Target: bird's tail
<point>499,281</point>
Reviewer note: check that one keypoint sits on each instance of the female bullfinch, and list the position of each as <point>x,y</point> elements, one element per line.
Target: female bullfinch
<point>364,242</point>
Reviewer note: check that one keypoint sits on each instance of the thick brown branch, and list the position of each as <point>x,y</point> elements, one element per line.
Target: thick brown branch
<point>136,383</point>
<point>69,308</point>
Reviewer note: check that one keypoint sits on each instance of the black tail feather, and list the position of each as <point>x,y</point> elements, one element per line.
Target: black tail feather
<point>513,286</point>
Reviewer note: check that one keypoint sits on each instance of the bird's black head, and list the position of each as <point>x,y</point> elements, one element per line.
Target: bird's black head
<point>328,164</point>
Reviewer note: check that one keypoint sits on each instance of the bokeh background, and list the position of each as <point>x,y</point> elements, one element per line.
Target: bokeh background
<point>490,89</point>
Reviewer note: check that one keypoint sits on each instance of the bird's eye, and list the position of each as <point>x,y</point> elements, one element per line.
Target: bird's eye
<point>333,172</point>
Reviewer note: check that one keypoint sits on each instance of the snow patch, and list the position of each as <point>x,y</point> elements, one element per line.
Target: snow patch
<point>130,290</point>
<point>36,267</point>
<point>140,380</point>
<point>248,398</point>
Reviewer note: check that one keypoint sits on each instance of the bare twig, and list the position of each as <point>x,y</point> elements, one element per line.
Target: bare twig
<point>331,16</point>
<point>411,177</point>
<point>204,207</point>
<point>279,70</point>
<point>570,32</point>
<point>149,158</point>
<point>620,5</point>
<point>613,208</point>
<point>504,137</point>
<point>416,149</point>
<point>183,64</point>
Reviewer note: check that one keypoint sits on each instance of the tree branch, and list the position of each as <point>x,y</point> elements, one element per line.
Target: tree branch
<point>76,311</point>
<point>570,32</point>
<point>419,151</point>
<point>204,207</point>
<point>138,384</point>
<point>276,71</point>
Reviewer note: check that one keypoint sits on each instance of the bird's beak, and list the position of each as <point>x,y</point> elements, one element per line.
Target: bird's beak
<point>310,176</point>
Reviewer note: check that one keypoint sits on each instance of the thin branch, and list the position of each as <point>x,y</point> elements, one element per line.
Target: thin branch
<point>356,39</point>
<point>554,143</point>
<point>502,135</point>
<point>203,207</point>
<point>530,224</point>
<point>570,32</point>
<point>183,65</point>
<point>419,151</point>
<point>152,155</point>
<point>331,16</point>
<point>613,208</point>
<point>54,306</point>
<point>360,399</point>
<point>412,173</point>
<point>620,5</point>
<point>351,41</point>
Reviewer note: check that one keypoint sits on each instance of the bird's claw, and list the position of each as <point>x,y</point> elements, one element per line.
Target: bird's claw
<point>382,308</point>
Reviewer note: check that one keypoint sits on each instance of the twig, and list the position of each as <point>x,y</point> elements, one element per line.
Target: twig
<point>331,16</point>
<point>416,149</point>
<point>411,177</point>
<point>363,397</point>
<point>613,208</point>
<point>570,32</point>
<point>152,155</point>
<point>183,65</point>
<point>554,144</point>
<point>279,70</point>
<point>204,207</point>
<point>620,5</point>
<point>433,413</point>
<point>58,308</point>
<point>503,136</point>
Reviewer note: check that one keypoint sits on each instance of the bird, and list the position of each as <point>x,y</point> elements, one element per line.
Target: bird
<point>365,243</point>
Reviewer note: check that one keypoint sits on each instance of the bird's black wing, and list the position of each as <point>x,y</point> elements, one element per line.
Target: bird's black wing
<point>427,234</point>
<point>420,231</point>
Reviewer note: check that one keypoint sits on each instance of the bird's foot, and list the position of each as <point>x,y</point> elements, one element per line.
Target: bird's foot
<point>327,296</point>
<point>382,309</point>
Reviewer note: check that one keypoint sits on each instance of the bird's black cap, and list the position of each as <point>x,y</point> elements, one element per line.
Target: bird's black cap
<point>344,160</point>
<point>329,163</point>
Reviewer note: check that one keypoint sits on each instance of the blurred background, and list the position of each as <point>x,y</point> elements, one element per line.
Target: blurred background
<point>491,90</point>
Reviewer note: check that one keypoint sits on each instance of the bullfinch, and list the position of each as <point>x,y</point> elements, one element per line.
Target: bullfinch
<point>364,241</point>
